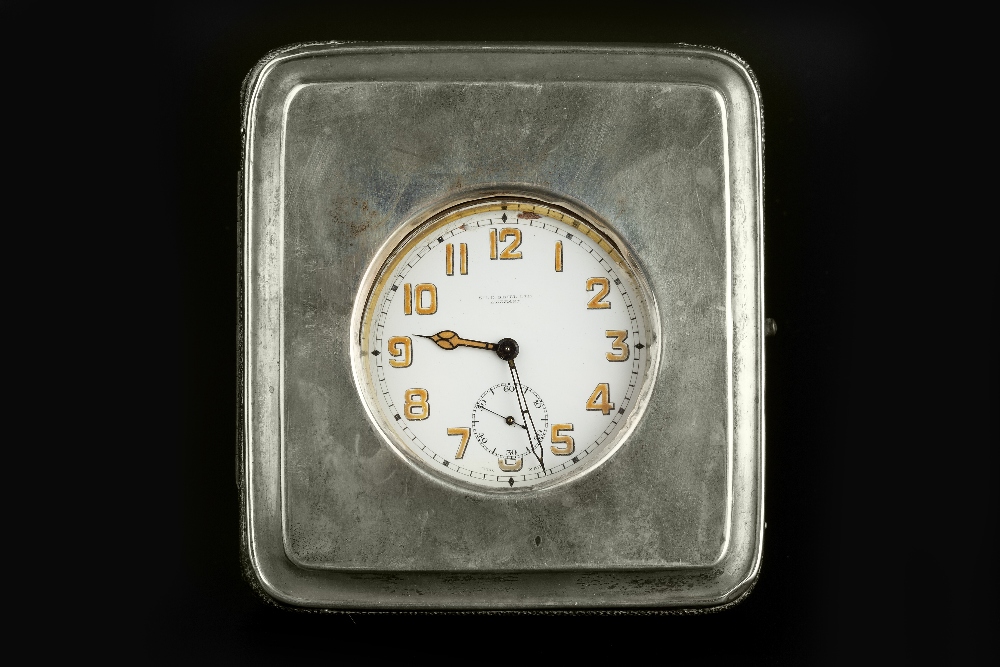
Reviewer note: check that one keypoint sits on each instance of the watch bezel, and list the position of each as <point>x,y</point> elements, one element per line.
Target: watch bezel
<point>445,211</point>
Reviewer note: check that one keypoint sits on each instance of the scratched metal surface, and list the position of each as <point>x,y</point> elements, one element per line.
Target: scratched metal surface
<point>344,148</point>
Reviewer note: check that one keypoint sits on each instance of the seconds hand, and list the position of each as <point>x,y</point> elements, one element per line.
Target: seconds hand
<point>507,349</point>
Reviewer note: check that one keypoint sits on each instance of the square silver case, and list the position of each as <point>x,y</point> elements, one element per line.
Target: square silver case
<point>345,142</point>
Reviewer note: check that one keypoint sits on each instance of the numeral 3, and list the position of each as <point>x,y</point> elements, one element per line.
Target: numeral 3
<point>618,345</point>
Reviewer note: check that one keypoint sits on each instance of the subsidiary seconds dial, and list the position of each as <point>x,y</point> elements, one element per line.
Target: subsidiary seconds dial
<point>505,345</point>
<point>502,425</point>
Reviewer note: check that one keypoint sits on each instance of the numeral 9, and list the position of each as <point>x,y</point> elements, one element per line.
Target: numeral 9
<point>400,345</point>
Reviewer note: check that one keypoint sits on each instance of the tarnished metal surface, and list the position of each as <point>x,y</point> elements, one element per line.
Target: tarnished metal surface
<point>345,143</point>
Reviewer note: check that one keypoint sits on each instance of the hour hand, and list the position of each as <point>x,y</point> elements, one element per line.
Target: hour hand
<point>449,340</point>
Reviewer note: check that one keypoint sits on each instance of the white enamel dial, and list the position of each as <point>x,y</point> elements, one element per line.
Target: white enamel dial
<point>504,345</point>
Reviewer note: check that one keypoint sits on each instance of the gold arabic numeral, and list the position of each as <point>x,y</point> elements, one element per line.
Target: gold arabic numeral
<point>596,302</point>
<point>558,437</point>
<point>559,256</point>
<point>463,431</point>
<point>510,251</point>
<point>400,345</point>
<point>418,294</point>
<point>463,259</point>
<point>510,465</point>
<point>493,244</point>
<point>415,405</point>
<point>620,347</point>
<point>601,399</point>
<point>410,295</point>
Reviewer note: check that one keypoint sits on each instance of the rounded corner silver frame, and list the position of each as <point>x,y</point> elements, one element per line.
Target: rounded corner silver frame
<point>270,89</point>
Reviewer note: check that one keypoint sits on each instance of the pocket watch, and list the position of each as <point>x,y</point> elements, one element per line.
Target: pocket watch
<point>501,324</point>
<point>505,344</point>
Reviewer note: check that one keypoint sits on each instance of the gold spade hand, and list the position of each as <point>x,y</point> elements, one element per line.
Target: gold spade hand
<point>449,340</point>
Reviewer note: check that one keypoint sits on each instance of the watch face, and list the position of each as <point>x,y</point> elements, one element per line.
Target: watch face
<point>505,344</point>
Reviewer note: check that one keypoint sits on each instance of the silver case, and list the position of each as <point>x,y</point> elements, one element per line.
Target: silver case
<point>344,143</point>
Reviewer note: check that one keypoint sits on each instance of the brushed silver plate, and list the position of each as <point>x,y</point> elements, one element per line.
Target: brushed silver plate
<point>345,142</point>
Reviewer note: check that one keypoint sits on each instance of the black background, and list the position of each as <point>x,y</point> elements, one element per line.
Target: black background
<point>832,585</point>
<point>812,72</point>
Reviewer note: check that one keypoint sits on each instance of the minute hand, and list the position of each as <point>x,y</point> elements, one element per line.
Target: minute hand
<point>449,340</point>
